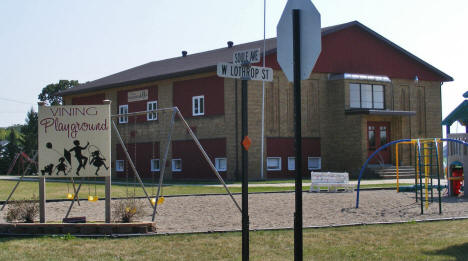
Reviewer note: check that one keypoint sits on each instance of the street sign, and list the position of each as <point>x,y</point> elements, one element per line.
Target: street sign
<point>255,73</point>
<point>310,38</point>
<point>246,56</point>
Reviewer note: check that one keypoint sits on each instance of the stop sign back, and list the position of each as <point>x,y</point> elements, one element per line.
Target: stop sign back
<point>310,38</point>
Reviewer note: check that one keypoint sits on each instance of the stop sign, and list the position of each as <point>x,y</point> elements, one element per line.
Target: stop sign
<point>310,38</point>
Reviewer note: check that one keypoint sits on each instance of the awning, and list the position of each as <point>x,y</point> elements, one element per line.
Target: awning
<point>380,112</point>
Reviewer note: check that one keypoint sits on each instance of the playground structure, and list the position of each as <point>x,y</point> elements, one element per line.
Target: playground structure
<point>428,158</point>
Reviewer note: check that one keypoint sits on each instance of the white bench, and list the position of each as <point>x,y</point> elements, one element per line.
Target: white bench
<point>332,181</point>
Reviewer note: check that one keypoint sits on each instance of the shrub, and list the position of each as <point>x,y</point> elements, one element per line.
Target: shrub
<point>23,210</point>
<point>127,210</point>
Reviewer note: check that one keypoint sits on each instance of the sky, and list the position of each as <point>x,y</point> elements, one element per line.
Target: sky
<point>42,42</point>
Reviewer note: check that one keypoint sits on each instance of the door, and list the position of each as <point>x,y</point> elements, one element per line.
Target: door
<point>378,134</point>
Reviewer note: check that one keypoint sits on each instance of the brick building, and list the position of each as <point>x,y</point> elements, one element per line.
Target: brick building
<point>361,94</point>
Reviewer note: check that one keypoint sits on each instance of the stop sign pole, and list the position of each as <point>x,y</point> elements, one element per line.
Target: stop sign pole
<point>298,246</point>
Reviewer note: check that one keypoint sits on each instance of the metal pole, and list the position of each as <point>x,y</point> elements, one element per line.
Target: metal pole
<point>73,201</point>
<point>108,198</point>
<point>42,200</point>
<point>213,168</point>
<point>297,135</point>
<point>131,164</point>
<point>438,175</point>
<point>263,97</point>
<point>17,183</point>
<point>74,191</point>
<point>245,176</point>
<point>420,176</point>
<point>161,174</point>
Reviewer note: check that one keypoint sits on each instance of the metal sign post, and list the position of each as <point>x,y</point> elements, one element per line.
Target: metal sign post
<point>305,42</point>
<point>245,175</point>
<point>241,69</point>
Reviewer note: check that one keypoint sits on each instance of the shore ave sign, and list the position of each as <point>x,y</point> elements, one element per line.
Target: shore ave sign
<point>255,73</point>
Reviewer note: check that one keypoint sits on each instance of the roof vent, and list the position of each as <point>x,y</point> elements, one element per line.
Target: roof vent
<point>184,53</point>
<point>230,44</point>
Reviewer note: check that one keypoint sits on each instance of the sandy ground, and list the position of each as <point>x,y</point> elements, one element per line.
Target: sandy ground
<point>275,210</point>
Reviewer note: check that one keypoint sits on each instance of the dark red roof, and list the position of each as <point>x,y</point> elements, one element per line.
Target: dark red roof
<point>206,61</point>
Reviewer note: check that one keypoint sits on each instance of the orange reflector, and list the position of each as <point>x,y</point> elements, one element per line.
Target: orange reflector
<point>246,143</point>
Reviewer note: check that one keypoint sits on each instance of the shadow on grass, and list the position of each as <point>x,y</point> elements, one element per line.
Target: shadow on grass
<point>459,252</point>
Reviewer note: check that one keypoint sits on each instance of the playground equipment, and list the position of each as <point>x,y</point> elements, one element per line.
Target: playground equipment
<point>427,167</point>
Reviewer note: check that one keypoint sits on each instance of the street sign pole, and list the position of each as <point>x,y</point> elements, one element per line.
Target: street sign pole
<point>297,134</point>
<point>245,176</point>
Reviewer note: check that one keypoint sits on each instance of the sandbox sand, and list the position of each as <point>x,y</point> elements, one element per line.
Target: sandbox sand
<point>274,210</point>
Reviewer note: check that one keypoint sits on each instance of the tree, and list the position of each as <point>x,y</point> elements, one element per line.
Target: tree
<point>29,133</point>
<point>49,93</point>
<point>10,151</point>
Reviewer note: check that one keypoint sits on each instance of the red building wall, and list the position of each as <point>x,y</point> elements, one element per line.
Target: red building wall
<point>144,152</point>
<point>284,148</point>
<point>211,87</point>
<point>353,50</point>
<point>122,99</point>
<point>89,100</point>
<point>194,165</point>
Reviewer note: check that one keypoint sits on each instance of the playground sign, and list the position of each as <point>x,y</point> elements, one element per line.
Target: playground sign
<point>74,140</point>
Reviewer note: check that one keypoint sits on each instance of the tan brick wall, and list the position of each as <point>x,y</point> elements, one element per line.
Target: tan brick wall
<point>343,136</point>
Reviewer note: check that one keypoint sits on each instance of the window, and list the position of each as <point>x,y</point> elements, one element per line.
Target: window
<point>273,163</point>
<point>151,106</point>
<point>176,165</point>
<point>314,163</point>
<point>198,105</point>
<point>123,110</point>
<point>291,163</point>
<point>221,164</point>
<point>366,96</point>
<point>155,165</point>
<point>119,165</point>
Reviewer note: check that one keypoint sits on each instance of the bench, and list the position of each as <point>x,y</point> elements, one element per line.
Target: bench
<point>332,181</point>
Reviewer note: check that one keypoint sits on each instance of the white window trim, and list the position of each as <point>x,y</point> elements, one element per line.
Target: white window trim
<point>193,105</point>
<point>152,165</point>
<point>117,164</point>
<point>275,169</point>
<point>217,164</point>
<point>173,165</point>
<point>319,161</point>
<point>151,116</point>
<point>294,167</point>
<point>123,119</point>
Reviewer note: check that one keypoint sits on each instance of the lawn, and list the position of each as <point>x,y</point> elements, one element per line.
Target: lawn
<point>445,240</point>
<point>59,190</point>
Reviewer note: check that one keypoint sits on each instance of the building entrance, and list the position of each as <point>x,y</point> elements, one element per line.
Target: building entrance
<point>378,134</point>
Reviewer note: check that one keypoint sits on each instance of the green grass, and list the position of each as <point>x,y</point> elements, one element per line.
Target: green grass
<point>59,190</point>
<point>446,240</point>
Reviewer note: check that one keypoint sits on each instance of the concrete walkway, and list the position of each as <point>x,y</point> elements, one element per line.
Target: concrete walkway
<point>306,182</point>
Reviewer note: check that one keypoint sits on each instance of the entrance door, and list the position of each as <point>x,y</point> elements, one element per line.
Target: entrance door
<point>378,134</point>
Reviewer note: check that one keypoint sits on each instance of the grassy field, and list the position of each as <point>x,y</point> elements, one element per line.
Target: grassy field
<point>445,240</point>
<point>59,190</point>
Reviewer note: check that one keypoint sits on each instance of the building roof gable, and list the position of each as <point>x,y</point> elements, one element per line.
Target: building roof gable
<point>206,61</point>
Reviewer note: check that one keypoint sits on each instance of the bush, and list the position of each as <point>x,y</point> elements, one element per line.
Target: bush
<point>127,210</point>
<point>23,210</point>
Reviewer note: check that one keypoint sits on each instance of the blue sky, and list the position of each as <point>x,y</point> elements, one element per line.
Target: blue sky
<point>42,42</point>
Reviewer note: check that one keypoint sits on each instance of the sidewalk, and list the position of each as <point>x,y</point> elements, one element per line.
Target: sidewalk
<point>306,182</point>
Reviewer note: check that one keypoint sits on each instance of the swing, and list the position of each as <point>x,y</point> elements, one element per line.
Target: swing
<point>92,198</point>
<point>69,195</point>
